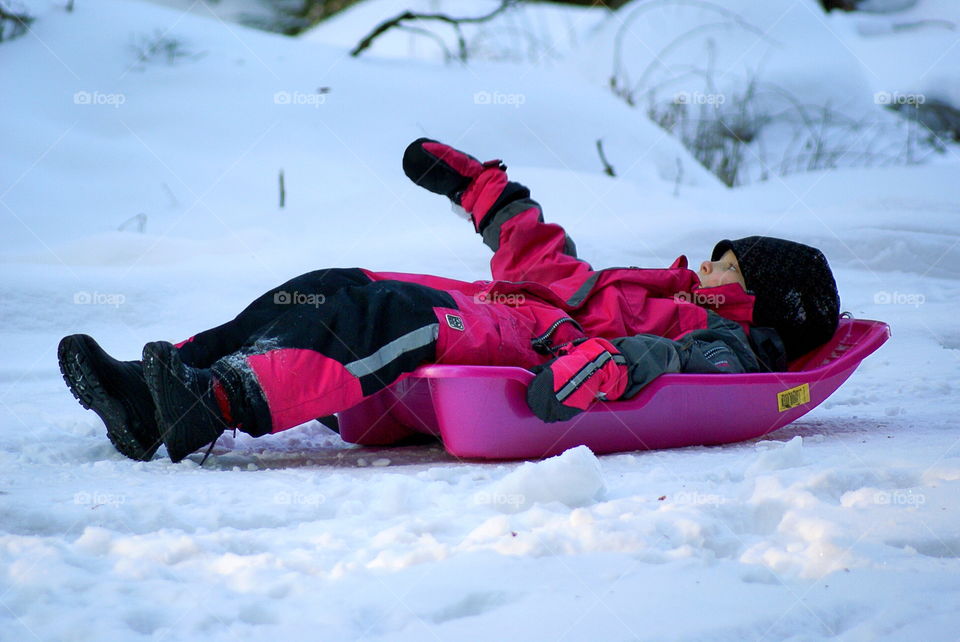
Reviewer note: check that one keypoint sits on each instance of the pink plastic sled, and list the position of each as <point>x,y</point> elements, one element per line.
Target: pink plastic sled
<point>481,411</point>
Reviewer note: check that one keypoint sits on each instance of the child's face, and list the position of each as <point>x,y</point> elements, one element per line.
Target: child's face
<point>721,272</point>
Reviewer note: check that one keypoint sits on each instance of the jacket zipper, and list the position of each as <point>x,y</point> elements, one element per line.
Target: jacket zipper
<point>542,343</point>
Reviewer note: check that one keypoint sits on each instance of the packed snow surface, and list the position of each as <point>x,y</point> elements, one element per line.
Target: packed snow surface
<point>142,148</point>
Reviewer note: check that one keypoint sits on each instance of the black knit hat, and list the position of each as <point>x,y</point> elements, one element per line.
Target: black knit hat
<point>794,289</point>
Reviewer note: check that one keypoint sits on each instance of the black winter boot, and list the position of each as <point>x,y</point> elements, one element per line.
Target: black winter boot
<point>113,389</point>
<point>187,413</point>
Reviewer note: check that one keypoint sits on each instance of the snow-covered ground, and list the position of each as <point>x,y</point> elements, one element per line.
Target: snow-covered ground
<point>139,201</point>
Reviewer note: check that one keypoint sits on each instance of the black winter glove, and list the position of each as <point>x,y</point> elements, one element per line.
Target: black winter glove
<point>569,384</point>
<point>441,168</point>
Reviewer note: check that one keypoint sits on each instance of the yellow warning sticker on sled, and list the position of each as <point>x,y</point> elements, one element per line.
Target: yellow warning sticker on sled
<point>793,397</point>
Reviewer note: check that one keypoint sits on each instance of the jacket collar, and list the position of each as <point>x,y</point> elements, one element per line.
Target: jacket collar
<point>730,301</point>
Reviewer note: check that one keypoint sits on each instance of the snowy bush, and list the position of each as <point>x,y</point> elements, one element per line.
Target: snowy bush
<point>292,17</point>
<point>161,47</point>
<point>744,128</point>
<point>765,131</point>
<point>940,120</point>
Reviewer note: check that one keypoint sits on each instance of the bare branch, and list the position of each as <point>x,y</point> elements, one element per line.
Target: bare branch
<point>410,15</point>
<point>607,167</point>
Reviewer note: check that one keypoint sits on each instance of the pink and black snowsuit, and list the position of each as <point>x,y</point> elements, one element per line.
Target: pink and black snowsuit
<point>325,340</point>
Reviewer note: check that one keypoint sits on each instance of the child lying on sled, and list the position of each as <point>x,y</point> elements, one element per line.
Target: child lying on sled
<point>323,341</point>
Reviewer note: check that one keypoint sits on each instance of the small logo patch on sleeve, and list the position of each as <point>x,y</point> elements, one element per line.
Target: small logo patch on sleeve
<point>793,397</point>
<point>455,322</point>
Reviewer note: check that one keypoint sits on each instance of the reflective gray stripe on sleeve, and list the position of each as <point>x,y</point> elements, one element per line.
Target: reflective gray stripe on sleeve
<point>585,372</point>
<point>410,341</point>
<point>491,233</point>
<point>584,289</point>
<point>569,247</point>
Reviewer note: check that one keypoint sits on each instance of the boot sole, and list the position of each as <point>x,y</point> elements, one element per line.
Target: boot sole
<point>84,384</point>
